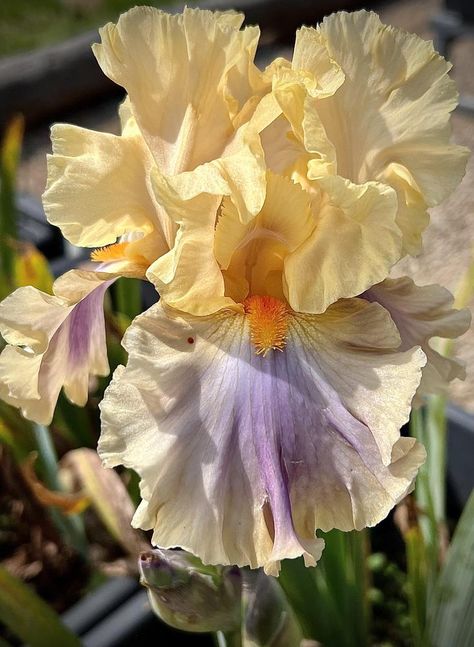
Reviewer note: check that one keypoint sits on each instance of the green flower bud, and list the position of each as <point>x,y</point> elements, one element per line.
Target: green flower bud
<point>188,595</point>
<point>268,618</point>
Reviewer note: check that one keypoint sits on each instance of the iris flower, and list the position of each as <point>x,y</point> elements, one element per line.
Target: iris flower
<point>264,394</point>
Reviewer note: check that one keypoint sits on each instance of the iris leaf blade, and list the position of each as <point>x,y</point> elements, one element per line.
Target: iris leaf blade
<point>9,158</point>
<point>29,617</point>
<point>451,609</point>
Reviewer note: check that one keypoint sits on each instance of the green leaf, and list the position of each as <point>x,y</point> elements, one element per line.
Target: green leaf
<point>31,268</point>
<point>436,453</point>
<point>299,585</point>
<point>417,582</point>
<point>108,496</point>
<point>70,526</point>
<point>343,572</point>
<point>330,601</point>
<point>127,297</point>
<point>74,423</point>
<point>29,617</point>
<point>16,432</point>
<point>428,426</point>
<point>451,610</point>
<point>9,157</point>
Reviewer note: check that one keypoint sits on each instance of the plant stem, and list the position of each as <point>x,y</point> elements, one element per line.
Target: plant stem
<point>417,583</point>
<point>70,526</point>
<point>227,639</point>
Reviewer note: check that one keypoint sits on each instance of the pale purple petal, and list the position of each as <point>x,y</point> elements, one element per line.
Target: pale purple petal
<point>420,314</point>
<point>61,348</point>
<point>242,457</point>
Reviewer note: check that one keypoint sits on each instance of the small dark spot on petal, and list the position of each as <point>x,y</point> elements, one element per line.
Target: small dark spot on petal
<point>190,340</point>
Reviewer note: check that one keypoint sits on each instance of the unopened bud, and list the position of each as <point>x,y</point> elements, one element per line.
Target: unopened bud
<point>188,595</point>
<point>268,618</point>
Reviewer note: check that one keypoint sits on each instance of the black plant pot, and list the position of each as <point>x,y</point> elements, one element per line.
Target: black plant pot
<point>460,475</point>
<point>464,8</point>
<point>118,614</point>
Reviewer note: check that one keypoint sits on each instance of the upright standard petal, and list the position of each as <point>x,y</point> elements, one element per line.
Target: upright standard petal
<point>188,278</point>
<point>313,76</point>
<point>54,342</point>
<point>186,76</point>
<point>393,108</point>
<point>420,314</point>
<point>243,455</point>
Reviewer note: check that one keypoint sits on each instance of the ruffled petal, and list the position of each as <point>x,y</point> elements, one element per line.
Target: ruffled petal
<point>324,75</point>
<point>189,277</point>
<point>355,241</point>
<point>412,215</point>
<point>285,217</point>
<point>421,313</point>
<point>55,341</point>
<point>393,108</point>
<point>307,248</point>
<point>187,75</point>
<point>282,149</point>
<point>313,76</point>
<point>239,173</point>
<point>130,257</point>
<point>242,456</point>
<point>99,188</point>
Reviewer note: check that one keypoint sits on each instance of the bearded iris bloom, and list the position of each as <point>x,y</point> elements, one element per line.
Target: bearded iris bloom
<point>264,393</point>
<point>258,423</point>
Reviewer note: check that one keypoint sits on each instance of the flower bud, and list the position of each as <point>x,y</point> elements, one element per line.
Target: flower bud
<point>268,618</point>
<point>188,595</point>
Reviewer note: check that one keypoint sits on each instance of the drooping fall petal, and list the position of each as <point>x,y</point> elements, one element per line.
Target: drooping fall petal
<point>242,456</point>
<point>59,346</point>
<point>420,314</point>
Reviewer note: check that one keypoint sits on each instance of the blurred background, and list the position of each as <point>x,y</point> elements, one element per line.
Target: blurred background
<point>48,74</point>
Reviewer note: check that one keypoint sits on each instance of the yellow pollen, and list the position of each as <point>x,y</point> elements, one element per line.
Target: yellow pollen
<point>115,252</point>
<point>268,318</point>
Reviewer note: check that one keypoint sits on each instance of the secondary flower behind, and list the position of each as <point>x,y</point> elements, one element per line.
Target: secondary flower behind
<point>264,393</point>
